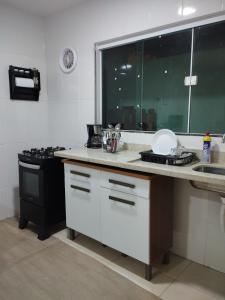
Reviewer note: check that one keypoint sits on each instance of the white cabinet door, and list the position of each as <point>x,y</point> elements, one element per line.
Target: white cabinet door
<point>125,223</point>
<point>82,200</point>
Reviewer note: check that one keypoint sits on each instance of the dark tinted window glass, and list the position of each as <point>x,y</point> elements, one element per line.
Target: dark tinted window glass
<point>165,98</point>
<point>208,96</point>
<point>121,90</point>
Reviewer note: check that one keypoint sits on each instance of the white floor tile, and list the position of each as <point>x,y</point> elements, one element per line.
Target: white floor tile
<point>205,280</point>
<point>197,282</point>
<point>127,267</point>
<point>179,290</point>
<point>176,266</point>
<point>181,279</point>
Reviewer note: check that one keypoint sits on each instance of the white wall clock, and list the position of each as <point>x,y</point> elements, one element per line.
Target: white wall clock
<point>68,60</point>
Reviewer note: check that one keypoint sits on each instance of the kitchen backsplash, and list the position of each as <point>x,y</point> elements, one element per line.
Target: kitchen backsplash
<point>189,142</point>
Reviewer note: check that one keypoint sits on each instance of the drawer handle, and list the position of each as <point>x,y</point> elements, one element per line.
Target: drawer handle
<point>75,187</point>
<point>132,186</point>
<point>80,174</point>
<point>122,200</point>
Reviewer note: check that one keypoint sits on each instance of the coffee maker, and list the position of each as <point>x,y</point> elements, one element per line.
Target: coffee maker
<point>94,136</point>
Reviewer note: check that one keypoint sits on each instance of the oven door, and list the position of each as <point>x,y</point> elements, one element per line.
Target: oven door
<point>31,183</point>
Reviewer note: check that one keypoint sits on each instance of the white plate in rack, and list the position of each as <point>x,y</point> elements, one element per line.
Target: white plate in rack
<point>164,141</point>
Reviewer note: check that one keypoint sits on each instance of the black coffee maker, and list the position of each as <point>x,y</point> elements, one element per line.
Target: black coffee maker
<point>94,136</point>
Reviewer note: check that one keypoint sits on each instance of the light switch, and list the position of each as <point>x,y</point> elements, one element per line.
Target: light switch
<point>190,80</point>
<point>187,80</point>
<point>194,80</point>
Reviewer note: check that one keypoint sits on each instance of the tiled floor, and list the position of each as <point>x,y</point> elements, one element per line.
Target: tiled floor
<point>52,270</point>
<point>181,279</point>
<point>30,269</point>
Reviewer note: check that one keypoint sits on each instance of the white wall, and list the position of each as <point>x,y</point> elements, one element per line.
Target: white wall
<point>22,124</point>
<point>90,22</point>
<point>71,103</point>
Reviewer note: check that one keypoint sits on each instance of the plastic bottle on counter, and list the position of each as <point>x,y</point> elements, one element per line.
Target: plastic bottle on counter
<point>206,151</point>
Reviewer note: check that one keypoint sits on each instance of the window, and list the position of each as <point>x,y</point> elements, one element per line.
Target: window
<point>143,82</point>
<point>121,91</point>
<point>208,96</point>
<point>165,97</point>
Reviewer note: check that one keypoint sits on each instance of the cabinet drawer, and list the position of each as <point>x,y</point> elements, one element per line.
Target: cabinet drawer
<point>125,184</point>
<point>79,177</point>
<point>82,201</point>
<point>125,223</point>
<point>78,173</point>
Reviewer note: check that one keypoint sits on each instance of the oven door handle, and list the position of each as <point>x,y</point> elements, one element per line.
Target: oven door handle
<point>29,166</point>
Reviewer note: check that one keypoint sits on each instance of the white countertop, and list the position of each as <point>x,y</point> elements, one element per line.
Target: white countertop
<point>130,160</point>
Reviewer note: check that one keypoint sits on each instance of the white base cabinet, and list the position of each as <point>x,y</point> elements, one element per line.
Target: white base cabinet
<point>83,200</point>
<point>127,211</point>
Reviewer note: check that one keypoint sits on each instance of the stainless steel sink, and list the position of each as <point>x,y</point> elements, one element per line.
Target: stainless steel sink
<point>210,170</point>
<point>220,189</point>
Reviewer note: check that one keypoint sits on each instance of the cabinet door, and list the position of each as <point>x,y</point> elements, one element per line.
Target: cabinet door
<point>125,223</point>
<point>82,200</point>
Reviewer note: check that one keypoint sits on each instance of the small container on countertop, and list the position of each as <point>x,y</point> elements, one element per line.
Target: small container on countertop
<point>206,151</point>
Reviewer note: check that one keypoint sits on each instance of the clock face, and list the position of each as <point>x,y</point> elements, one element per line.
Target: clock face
<point>68,60</point>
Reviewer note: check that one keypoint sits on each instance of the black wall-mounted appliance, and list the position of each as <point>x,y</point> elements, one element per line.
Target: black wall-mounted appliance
<point>25,84</point>
<point>94,136</point>
<point>42,194</point>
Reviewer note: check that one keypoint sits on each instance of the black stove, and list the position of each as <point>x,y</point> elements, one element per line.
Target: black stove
<point>42,195</point>
<point>40,156</point>
<point>41,153</point>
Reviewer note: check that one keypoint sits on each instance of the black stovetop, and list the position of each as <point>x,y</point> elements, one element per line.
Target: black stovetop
<point>39,155</point>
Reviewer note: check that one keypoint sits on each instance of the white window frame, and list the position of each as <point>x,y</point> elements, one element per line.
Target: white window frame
<point>127,39</point>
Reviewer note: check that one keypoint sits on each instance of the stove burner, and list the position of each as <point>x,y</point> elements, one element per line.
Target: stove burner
<point>42,153</point>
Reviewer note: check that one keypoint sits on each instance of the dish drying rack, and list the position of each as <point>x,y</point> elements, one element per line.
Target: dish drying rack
<point>185,158</point>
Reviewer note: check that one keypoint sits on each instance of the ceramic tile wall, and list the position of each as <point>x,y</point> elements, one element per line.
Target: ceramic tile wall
<point>22,124</point>
<point>106,20</point>
<point>71,103</point>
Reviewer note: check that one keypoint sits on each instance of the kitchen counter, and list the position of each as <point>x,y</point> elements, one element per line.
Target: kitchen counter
<point>130,160</point>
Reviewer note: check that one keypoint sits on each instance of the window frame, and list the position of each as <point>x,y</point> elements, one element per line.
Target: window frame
<point>131,38</point>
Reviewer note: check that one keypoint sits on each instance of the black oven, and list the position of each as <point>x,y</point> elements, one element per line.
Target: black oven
<point>42,195</point>
<point>31,180</point>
